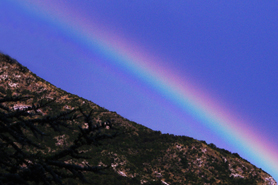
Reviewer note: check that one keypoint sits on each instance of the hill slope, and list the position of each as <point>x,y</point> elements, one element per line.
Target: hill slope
<point>139,155</point>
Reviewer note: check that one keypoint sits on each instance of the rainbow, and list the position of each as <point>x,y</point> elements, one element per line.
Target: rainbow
<point>130,58</point>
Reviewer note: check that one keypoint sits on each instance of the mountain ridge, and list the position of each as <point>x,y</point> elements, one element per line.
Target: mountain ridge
<point>141,155</point>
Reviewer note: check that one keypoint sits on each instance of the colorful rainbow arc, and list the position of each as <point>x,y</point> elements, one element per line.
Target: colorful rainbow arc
<point>161,79</point>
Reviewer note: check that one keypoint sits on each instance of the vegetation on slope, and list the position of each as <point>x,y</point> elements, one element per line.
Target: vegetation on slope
<point>137,155</point>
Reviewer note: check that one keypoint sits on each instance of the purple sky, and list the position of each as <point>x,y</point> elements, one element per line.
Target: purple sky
<point>226,48</point>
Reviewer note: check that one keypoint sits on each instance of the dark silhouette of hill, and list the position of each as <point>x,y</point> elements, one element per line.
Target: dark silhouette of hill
<point>117,151</point>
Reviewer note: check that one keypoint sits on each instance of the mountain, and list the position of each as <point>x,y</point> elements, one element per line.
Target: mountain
<point>137,155</point>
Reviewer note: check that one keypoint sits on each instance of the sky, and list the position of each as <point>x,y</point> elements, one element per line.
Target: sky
<point>204,69</point>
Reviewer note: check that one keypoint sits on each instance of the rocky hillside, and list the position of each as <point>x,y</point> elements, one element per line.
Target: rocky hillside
<point>138,155</point>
